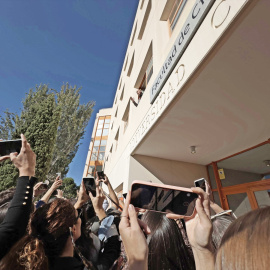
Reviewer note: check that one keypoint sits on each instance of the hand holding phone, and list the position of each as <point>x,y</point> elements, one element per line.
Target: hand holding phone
<point>199,228</point>
<point>90,185</point>
<point>163,198</point>
<point>101,175</point>
<point>12,146</point>
<point>201,183</point>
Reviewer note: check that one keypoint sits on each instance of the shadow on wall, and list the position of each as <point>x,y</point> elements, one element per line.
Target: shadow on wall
<point>169,172</point>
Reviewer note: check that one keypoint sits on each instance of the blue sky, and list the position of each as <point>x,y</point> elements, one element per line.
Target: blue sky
<point>82,42</point>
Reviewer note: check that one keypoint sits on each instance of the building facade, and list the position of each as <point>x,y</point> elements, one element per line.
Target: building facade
<point>192,100</point>
<point>98,143</point>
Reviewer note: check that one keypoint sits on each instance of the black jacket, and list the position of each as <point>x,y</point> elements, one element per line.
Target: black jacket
<point>14,225</point>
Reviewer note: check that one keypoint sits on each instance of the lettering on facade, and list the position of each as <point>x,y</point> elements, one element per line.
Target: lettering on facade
<point>197,14</point>
<point>166,95</point>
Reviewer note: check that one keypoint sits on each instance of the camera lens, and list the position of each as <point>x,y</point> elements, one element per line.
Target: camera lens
<point>188,194</point>
<point>186,204</point>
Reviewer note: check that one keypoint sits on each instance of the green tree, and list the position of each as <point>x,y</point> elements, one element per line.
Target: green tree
<point>53,123</point>
<point>69,188</point>
<point>73,121</point>
<point>38,121</point>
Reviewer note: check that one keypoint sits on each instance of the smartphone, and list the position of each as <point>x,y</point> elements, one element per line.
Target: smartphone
<point>101,175</point>
<point>7,147</point>
<point>90,185</point>
<point>163,198</point>
<point>58,174</point>
<point>200,183</point>
<point>43,186</point>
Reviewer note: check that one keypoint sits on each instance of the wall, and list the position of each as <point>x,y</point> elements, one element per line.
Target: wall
<point>165,171</point>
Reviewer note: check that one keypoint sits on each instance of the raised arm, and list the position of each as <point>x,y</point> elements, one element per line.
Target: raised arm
<point>133,237</point>
<point>199,231</point>
<point>111,191</point>
<point>57,183</point>
<point>14,225</point>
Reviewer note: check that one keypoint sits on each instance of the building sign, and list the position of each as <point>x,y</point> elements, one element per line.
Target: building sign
<point>195,17</point>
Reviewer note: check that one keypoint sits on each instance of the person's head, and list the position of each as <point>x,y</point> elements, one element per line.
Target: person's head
<point>220,225</point>
<point>167,249</point>
<point>49,233</point>
<point>245,244</point>
<point>5,199</point>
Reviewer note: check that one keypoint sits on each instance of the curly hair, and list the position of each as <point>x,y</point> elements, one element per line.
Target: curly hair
<point>47,236</point>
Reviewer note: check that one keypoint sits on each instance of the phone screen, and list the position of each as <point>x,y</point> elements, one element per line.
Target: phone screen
<point>101,175</point>
<point>163,200</point>
<point>200,183</point>
<point>90,185</point>
<point>7,147</point>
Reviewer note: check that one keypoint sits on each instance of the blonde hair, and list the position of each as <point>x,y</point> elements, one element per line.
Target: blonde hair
<point>246,243</point>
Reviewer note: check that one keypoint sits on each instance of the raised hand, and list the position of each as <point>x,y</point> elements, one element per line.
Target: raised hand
<point>25,161</point>
<point>133,237</point>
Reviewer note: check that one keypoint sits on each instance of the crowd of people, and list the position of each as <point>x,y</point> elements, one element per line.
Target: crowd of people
<point>90,233</point>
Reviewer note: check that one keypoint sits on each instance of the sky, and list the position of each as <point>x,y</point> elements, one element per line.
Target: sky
<point>82,42</point>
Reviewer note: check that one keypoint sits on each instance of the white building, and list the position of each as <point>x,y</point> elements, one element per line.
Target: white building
<point>203,66</point>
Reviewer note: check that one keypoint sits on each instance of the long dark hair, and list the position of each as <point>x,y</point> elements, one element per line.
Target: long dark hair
<point>46,239</point>
<point>167,249</point>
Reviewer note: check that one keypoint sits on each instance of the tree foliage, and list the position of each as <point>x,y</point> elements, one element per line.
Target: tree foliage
<point>69,188</point>
<point>73,121</point>
<point>53,123</point>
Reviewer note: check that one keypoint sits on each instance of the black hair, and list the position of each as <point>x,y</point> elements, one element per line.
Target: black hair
<point>167,249</point>
<point>5,199</point>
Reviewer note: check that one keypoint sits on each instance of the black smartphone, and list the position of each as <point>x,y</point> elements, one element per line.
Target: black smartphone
<point>90,185</point>
<point>200,183</point>
<point>7,147</point>
<point>163,198</point>
<point>101,175</point>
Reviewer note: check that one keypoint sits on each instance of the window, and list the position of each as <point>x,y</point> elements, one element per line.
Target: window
<point>146,72</point>
<point>107,121</point>
<point>106,125</point>
<point>176,11</point>
<point>126,117</point>
<point>147,75</point>
<point>105,132</point>
<point>145,19</point>
<point>102,148</point>
<point>97,143</point>
<point>103,142</point>
<point>91,170</point>
<point>126,64</point>
<point>142,4</point>
<point>133,36</point>
<point>130,66</point>
<point>101,156</point>
<point>122,94</point>
<point>100,121</point>
<point>120,84</point>
<point>116,112</point>
<point>98,133</point>
<point>98,168</point>
<point>93,156</point>
<point>95,149</point>
<point>116,139</point>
